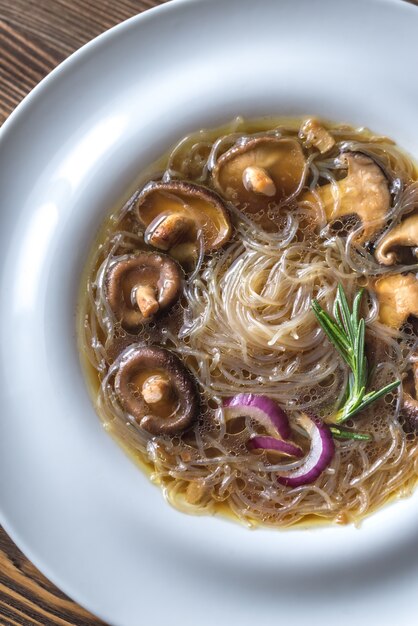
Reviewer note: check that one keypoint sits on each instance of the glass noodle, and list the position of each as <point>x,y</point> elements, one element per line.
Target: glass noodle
<point>245,324</point>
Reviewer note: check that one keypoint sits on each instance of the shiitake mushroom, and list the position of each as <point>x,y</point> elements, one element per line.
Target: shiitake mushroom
<point>156,389</point>
<point>177,214</point>
<point>140,285</point>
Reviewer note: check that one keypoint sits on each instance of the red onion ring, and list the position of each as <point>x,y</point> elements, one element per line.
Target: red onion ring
<point>260,408</point>
<point>269,414</point>
<point>318,458</point>
<point>271,443</point>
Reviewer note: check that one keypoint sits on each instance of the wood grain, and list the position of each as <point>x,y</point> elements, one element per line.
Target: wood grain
<point>27,597</point>
<point>35,36</point>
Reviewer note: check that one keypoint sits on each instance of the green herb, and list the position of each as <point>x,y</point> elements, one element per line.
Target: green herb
<point>347,332</point>
<point>341,433</point>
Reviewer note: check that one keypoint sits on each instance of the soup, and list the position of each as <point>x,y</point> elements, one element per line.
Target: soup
<point>247,322</point>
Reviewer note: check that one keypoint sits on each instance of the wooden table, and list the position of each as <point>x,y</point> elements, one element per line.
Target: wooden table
<point>36,35</point>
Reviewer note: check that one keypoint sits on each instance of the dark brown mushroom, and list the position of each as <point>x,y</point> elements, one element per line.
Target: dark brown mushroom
<point>410,400</point>
<point>363,192</point>
<point>410,413</point>
<point>138,286</point>
<point>255,172</point>
<point>157,390</point>
<point>403,237</point>
<point>178,212</point>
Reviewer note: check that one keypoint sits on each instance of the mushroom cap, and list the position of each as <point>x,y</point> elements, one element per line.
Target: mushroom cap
<point>404,235</point>
<point>152,270</point>
<point>363,192</point>
<point>139,363</point>
<point>410,383</point>
<point>282,159</point>
<point>200,206</point>
<point>410,402</point>
<point>398,298</point>
<point>410,412</point>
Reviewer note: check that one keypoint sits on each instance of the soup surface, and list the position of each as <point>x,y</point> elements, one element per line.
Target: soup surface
<point>247,322</point>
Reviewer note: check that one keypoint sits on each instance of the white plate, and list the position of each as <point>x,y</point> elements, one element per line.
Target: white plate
<point>70,498</point>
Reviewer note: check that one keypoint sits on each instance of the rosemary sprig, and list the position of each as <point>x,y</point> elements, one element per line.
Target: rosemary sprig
<point>347,333</point>
<point>341,433</point>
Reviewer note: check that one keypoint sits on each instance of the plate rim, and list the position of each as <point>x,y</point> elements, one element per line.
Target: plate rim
<point>6,129</point>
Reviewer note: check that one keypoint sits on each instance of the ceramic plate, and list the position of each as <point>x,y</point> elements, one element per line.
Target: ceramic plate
<point>70,498</point>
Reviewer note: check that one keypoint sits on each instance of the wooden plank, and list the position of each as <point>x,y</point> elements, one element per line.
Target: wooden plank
<point>36,35</point>
<point>28,598</point>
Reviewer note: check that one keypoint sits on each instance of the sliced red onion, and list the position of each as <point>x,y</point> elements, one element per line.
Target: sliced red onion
<point>260,408</point>
<point>271,443</point>
<point>318,458</point>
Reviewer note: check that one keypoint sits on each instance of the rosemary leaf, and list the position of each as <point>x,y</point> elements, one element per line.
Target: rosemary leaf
<point>345,314</point>
<point>360,358</point>
<point>375,395</point>
<point>356,309</point>
<point>333,332</point>
<point>341,433</point>
<point>347,333</point>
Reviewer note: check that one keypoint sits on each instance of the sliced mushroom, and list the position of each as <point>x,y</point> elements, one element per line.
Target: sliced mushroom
<point>363,192</point>
<point>178,212</point>
<point>410,400</point>
<point>255,172</point>
<point>314,134</point>
<point>404,235</point>
<point>398,298</point>
<point>138,286</point>
<point>157,390</point>
<point>410,412</point>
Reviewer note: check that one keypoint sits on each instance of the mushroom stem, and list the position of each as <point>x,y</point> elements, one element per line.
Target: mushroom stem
<point>166,230</point>
<point>257,179</point>
<point>155,389</point>
<point>185,252</point>
<point>146,300</point>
